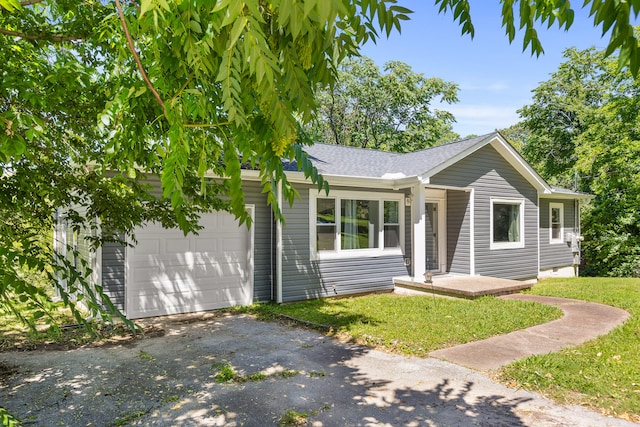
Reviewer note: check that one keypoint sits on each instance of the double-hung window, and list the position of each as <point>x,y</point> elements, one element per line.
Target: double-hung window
<point>354,224</point>
<point>507,223</point>
<point>556,222</point>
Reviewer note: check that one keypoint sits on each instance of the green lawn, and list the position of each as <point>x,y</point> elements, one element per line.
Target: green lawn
<point>416,325</point>
<point>604,373</point>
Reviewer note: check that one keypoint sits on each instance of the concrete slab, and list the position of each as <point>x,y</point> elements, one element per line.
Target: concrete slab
<point>169,380</point>
<point>582,321</point>
<point>463,286</point>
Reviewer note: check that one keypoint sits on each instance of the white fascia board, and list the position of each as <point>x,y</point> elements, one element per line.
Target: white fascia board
<point>566,196</point>
<point>448,187</point>
<point>338,180</point>
<point>355,181</point>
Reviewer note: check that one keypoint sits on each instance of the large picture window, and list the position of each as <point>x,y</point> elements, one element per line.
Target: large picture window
<point>356,223</point>
<point>556,220</point>
<point>507,224</point>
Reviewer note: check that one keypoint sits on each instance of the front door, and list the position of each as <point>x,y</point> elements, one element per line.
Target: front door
<point>431,236</point>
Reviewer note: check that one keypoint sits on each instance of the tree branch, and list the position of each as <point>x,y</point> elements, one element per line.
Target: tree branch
<point>138,62</point>
<point>44,37</point>
<point>206,125</point>
<point>25,3</point>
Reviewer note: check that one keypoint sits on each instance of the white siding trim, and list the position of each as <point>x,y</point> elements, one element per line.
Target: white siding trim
<point>419,229</point>
<point>472,232</point>
<point>538,234</point>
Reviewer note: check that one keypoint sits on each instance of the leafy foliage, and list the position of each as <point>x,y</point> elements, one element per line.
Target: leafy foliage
<point>390,111</point>
<point>581,130</point>
<point>99,101</point>
<point>562,109</point>
<point>7,420</point>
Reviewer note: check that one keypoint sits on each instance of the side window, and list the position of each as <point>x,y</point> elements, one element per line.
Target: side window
<point>326,224</point>
<point>556,222</point>
<point>507,224</point>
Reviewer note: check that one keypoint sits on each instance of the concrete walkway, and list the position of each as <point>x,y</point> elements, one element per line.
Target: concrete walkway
<point>582,321</point>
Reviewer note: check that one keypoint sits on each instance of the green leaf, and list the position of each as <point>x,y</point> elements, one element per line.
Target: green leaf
<point>145,6</point>
<point>195,26</point>
<point>11,6</point>
<point>236,31</point>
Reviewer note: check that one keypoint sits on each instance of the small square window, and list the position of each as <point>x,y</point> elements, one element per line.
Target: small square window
<point>507,224</point>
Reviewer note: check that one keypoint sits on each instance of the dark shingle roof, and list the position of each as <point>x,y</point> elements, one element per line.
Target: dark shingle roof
<point>351,161</point>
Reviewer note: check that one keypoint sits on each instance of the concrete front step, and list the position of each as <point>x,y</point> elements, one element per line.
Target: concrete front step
<point>464,286</point>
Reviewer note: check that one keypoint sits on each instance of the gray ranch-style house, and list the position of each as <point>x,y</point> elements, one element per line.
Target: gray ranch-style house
<point>473,207</point>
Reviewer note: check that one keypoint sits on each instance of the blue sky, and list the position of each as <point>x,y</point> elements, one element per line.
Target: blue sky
<point>495,78</point>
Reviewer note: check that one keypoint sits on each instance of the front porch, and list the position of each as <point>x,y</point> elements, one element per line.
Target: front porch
<point>463,286</point>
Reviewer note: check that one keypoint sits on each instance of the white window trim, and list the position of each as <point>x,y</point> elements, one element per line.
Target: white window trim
<point>560,239</point>
<point>506,245</point>
<point>339,195</point>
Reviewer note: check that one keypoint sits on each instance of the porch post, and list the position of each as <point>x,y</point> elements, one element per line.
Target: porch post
<point>418,260</point>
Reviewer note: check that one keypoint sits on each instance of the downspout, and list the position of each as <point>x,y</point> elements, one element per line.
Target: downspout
<point>279,246</point>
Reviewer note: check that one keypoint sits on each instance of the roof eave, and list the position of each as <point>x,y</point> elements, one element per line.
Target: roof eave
<point>567,196</point>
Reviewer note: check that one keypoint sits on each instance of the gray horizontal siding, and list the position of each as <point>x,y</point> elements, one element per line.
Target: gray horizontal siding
<point>113,273</point>
<point>492,176</point>
<point>303,278</point>
<point>300,277</point>
<point>458,232</point>
<point>263,262</point>
<point>556,255</point>
<point>356,275</point>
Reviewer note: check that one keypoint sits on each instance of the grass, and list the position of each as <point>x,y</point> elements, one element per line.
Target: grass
<point>227,374</point>
<point>293,418</point>
<point>415,325</point>
<point>60,331</point>
<point>604,373</point>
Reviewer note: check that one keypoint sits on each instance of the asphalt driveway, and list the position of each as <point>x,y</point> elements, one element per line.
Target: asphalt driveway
<point>169,380</point>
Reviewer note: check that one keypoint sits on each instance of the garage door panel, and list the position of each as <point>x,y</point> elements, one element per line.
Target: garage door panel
<point>207,244</point>
<point>169,273</point>
<point>148,246</point>
<point>178,246</point>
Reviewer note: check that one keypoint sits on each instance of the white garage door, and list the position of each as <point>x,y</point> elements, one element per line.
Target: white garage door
<point>169,273</point>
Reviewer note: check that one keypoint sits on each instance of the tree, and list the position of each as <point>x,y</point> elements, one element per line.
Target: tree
<point>389,111</point>
<point>582,130</point>
<point>562,109</point>
<point>95,95</point>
